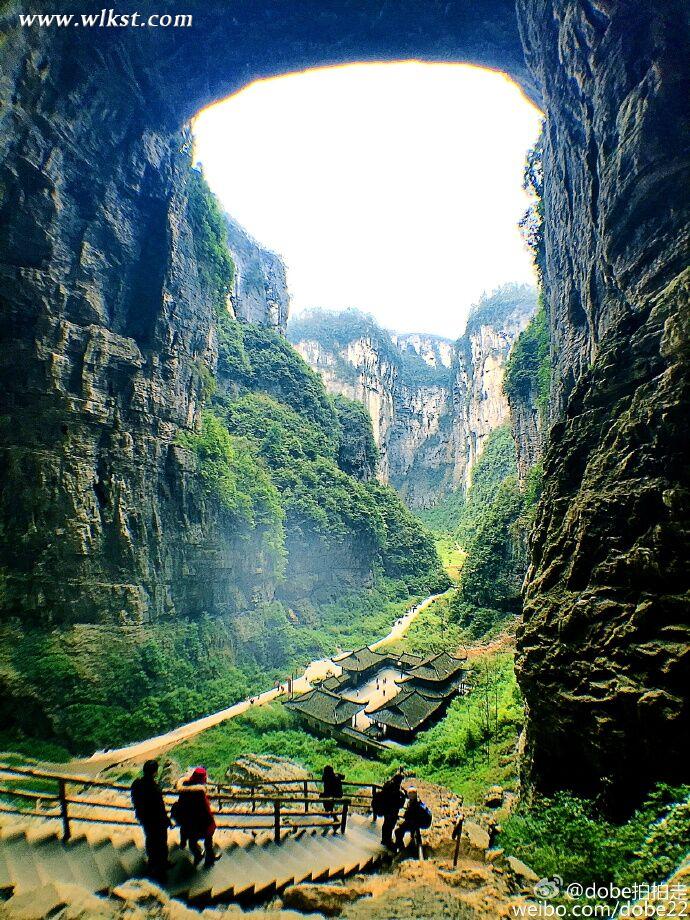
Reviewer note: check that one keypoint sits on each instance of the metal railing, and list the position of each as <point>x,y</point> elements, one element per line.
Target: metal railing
<point>266,809</point>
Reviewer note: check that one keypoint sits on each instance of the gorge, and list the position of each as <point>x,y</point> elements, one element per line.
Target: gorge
<point>110,343</point>
<point>433,402</point>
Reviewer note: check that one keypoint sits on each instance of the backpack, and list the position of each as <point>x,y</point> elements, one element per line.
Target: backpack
<point>424,816</point>
<point>378,803</point>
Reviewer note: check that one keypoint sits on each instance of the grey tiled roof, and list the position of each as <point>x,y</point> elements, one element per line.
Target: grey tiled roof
<point>361,660</point>
<point>439,667</point>
<point>325,706</point>
<point>407,711</point>
<point>333,683</point>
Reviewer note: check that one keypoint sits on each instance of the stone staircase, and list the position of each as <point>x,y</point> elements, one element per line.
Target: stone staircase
<point>33,855</point>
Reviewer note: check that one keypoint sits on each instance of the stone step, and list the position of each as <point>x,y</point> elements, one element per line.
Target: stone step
<point>98,863</point>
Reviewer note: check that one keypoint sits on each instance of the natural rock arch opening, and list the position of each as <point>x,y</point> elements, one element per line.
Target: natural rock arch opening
<point>94,166</point>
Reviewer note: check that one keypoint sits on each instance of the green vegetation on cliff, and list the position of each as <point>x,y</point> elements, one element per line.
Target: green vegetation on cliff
<point>214,263</point>
<point>357,453</point>
<point>528,370</point>
<point>230,471</point>
<point>318,450</point>
<point>493,309</point>
<point>488,523</point>
<point>532,222</point>
<point>568,837</point>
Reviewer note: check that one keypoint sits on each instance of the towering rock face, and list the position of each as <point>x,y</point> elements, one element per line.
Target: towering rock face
<point>527,385</point>
<point>101,333</point>
<point>603,652</point>
<point>433,402</point>
<point>260,293</point>
<point>482,352</point>
<point>363,370</point>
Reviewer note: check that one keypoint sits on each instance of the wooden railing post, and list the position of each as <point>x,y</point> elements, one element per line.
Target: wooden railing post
<point>343,822</point>
<point>62,792</point>
<point>306,797</point>
<point>276,821</point>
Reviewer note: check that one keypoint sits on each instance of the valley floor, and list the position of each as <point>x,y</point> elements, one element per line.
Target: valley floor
<point>153,747</point>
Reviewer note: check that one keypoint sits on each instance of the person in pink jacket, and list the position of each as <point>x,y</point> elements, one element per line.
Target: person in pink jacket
<point>192,812</point>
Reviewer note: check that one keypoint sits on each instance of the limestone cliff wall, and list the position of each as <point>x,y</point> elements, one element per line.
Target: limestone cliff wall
<point>603,651</point>
<point>260,292</point>
<point>527,426</point>
<point>430,427</point>
<point>360,372</point>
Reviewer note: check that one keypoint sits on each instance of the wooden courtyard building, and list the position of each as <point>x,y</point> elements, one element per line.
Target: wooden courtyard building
<point>440,674</point>
<point>410,711</point>
<point>324,710</point>
<point>332,715</point>
<point>422,693</point>
<point>363,664</point>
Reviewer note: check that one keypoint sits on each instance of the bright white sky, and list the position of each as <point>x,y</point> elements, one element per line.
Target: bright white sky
<point>393,188</point>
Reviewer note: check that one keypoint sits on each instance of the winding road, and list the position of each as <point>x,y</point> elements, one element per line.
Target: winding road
<point>152,747</point>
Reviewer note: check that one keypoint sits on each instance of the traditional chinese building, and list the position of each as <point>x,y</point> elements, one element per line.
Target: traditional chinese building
<point>324,710</point>
<point>408,712</point>
<point>363,664</point>
<point>441,673</point>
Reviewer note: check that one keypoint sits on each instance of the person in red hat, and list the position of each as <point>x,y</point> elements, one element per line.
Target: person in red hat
<point>192,812</point>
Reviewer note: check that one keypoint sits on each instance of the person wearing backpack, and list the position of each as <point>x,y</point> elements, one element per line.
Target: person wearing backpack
<point>386,803</point>
<point>417,818</point>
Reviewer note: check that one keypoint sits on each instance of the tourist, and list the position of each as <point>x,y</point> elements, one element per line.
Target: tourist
<point>332,787</point>
<point>417,817</point>
<point>149,807</point>
<point>494,829</point>
<point>192,812</point>
<point>387,804</point>
<point>457,831</point>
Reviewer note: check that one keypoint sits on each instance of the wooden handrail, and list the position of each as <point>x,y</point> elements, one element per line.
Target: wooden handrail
<point>102,784</point>
<point>283,807</point>
<point>25,794</point>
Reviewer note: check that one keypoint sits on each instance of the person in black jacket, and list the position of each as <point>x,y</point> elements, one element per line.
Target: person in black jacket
<point>389,802</point>
<point>332,787</point>
<point>151,813</point>
<point>416,817</point>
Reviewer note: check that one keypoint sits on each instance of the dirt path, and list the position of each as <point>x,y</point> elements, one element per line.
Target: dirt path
<point>504,642</point>
<point>153,747</point>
